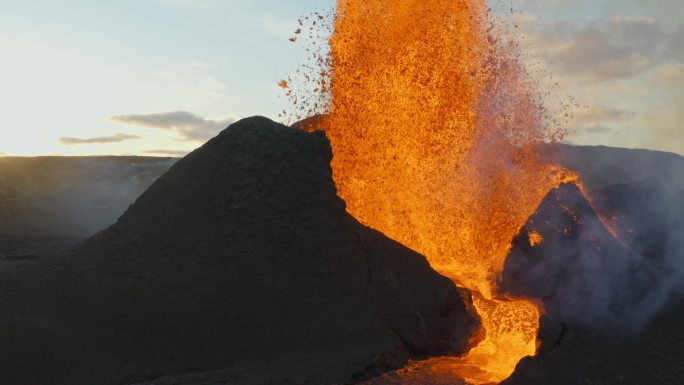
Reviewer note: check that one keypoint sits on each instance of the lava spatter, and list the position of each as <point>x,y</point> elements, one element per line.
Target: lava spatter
<point>434,128</point>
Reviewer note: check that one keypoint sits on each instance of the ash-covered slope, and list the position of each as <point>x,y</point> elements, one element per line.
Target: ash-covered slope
<point>240,262</point>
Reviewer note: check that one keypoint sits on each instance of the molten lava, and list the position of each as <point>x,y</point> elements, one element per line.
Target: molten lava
<point>434,127</point>
<point>433,131</point>
<point>536,239</point>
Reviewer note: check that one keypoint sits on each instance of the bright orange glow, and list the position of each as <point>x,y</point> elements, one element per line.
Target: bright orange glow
<point>433,131</point>
<point>536,239</point>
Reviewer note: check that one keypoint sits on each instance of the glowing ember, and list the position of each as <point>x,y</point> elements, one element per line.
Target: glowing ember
<point>433,129</point>
<point>536,239</point>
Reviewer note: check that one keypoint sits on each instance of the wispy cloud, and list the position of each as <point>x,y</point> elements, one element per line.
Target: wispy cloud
<point>600,120</point>
<point>619,64</point>
<point>171,153</point>
<point>188,126</point>
<point>597,129</point>
<point>603,114</point>
<point>621,47</point>
<point>671,72</point>
<point>116,138</point>
<point>676,43</point>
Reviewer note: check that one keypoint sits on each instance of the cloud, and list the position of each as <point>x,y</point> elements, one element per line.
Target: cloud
<point>116,138</point>
<point>676,44</point>
<point>622,47</point>
<point>597,129</point>
<point>171,153</point>
<point>599,120</point>
<point>604,114</point>
<point>615,67</point>
<point>670,72</point>
<point>188,126</point>
<point>614,48</point>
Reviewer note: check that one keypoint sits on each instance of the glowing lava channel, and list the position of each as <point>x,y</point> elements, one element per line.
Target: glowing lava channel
<point>434,131</point>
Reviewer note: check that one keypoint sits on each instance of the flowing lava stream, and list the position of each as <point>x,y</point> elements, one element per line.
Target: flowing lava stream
<point>434,132</point>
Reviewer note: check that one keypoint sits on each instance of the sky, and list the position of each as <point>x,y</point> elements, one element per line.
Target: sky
<point>160,77</point>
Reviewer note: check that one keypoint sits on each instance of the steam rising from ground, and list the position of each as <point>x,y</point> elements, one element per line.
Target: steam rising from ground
<point>639,193</point>
<point>613,272</point>
<point>71,196</point>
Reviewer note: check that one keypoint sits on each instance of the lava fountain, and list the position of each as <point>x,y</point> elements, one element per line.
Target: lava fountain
<point>434,131</point>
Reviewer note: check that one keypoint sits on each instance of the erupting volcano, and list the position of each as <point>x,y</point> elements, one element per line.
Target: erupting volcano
<point>423,222</point>
<point>434,127</point>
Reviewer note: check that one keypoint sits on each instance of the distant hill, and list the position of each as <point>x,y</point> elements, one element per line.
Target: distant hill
<point>71,196</point>
<point>606,171</point>
<point>79,196</point>
<point>602,166</point>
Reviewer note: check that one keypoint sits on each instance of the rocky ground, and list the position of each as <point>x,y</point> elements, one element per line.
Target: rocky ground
<point>615,302</point>
<point>19,250</point>
<point>580,354</point>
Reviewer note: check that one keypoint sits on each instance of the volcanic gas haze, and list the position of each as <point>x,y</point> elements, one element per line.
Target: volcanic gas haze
<point>433,125</point>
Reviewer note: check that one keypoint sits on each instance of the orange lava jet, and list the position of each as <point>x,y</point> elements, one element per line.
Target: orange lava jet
<point>434,127</point>
<point>434,130</point>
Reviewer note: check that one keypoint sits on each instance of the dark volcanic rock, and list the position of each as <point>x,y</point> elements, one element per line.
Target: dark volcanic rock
<point>242,265</point>
<point>614,305</point>
<point>584,355</point>
<point>640,214</point>
<point>567,256</point>
<point>602,166</point>
<point>576,264</point>
<point>17,251</point>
